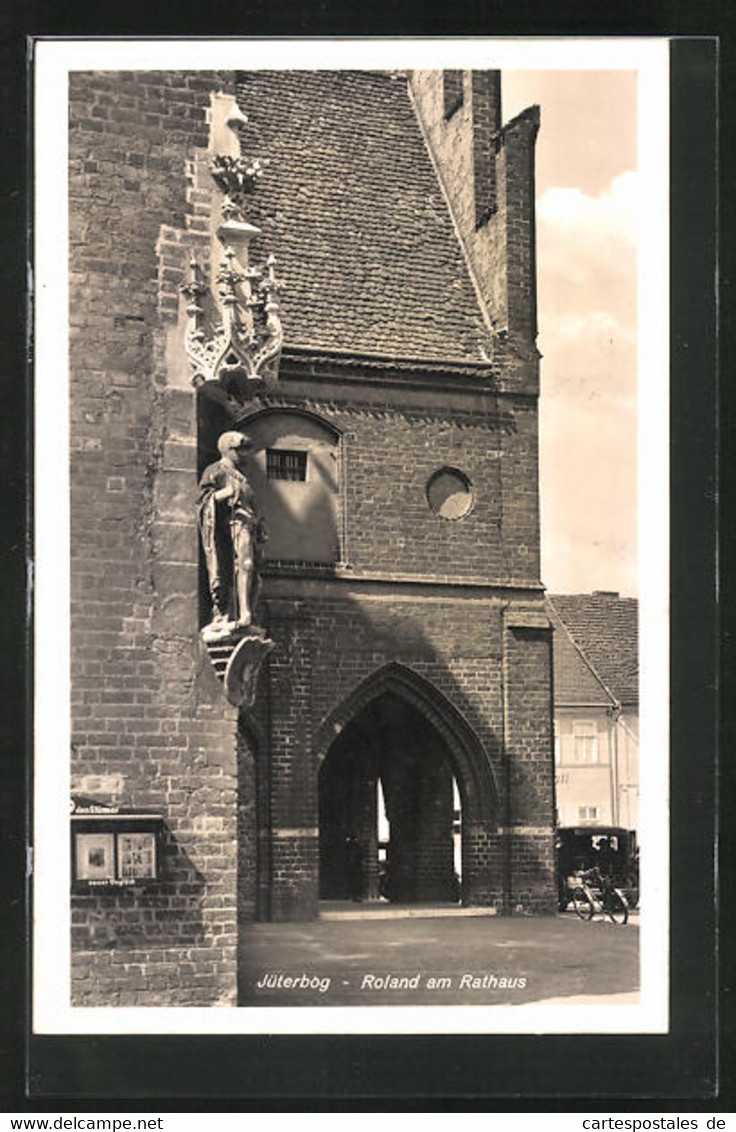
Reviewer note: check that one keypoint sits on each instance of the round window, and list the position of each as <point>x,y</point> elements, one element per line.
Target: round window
<point>450,494</point>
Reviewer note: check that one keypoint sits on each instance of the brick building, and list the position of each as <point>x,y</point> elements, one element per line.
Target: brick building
<point>390,392</point>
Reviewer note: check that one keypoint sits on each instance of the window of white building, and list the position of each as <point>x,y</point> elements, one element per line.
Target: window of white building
<point>585,741</point>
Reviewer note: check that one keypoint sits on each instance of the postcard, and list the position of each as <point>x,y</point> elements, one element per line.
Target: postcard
<point>351,473</point>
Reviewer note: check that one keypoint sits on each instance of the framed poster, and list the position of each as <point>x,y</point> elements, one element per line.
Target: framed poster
<point>95,856</point>
<point>137,855</point>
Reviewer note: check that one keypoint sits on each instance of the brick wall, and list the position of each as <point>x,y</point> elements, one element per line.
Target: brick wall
<point>388,455</point>
<point>455,644</point>
<point>520,492</point>
<point>249,821</point>
<point>530,765</point>
<point>488,175</point>
<point>485,108</point>
<point>292,787</point>
<point>150,728</point>
<point>461,648</point>
<point>388,462</point>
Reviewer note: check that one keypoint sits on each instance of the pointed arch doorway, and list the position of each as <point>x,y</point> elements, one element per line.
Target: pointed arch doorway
<point>397,743</point>
<point>390,758</point>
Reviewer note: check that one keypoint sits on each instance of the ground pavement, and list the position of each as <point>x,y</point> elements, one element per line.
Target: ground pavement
<point>438,960</point>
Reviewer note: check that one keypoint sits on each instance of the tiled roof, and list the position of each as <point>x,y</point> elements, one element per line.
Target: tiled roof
<point>575,681</point>
<point>596,642</point>
<point>351,208</point>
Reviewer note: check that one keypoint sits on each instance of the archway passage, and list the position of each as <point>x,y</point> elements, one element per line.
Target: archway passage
<point>392,743</point>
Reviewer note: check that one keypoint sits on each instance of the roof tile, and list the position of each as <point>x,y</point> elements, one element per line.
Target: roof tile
<point>604,629</point>
<point>351,207</point>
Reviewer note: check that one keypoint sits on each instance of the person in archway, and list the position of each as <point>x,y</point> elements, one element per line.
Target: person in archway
<point>354,861</point>
<point>231,531</point>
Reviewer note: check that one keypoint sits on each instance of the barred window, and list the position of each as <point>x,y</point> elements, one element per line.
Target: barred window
<point>286,464</point>
<point>452,90</point>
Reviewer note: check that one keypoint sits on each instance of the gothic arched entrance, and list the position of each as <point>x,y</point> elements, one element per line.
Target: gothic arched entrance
<point>389,743</point>
<point>401,767</point>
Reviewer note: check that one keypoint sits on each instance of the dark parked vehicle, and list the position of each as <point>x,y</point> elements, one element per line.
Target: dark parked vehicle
<point>611,849</point>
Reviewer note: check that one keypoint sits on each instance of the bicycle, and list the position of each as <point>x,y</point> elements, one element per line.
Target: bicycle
<point>596,893</point>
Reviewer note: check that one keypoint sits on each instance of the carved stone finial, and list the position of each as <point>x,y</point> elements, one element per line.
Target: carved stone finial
<point>229,277</point>
<point>243,352</point>
<point>237,177</point>
<point>193,290</point>
<point>229,210</point>
<point>270,353</point>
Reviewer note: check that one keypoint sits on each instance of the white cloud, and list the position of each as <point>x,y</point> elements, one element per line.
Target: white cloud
<point>596,324</point>
<point>587,311</point>
<point>611,213</point>
<point>587,249</point>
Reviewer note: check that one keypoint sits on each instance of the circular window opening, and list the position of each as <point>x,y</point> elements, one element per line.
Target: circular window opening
<point>450,494</point>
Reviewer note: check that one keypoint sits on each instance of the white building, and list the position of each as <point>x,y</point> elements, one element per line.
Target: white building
<point>596,696</point>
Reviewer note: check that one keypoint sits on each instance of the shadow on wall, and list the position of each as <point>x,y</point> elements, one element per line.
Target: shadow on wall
<point>302,520</point>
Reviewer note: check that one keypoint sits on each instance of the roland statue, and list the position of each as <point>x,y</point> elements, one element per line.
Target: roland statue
<point>232,535</point>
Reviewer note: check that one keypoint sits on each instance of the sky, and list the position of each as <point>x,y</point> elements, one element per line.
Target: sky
<point>586,182</point>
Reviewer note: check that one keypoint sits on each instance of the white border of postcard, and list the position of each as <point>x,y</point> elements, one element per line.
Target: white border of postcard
<point>52,1012</point>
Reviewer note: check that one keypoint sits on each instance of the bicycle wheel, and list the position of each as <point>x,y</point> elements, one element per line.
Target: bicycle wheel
<point>583,904</point>
<point>617,907</point>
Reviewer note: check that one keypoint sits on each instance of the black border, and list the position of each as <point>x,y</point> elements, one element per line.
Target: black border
<point>15,553</point>
<point>434,1072</point>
